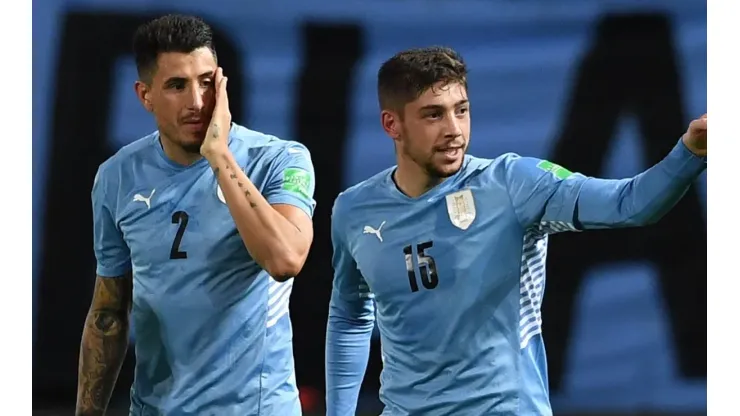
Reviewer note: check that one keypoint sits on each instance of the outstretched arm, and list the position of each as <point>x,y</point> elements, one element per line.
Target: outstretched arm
<point>553,199</point>
<point>550,198</point>
<point>641,200</point>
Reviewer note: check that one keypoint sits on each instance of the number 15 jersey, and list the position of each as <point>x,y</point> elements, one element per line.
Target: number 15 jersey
<point>457,276</point>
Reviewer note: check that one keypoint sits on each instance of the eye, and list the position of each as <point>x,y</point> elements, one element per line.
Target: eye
<point>176,85</point>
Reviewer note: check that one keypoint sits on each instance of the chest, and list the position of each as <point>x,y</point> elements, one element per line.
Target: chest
<point>464,244</point>
<point>177,220</point>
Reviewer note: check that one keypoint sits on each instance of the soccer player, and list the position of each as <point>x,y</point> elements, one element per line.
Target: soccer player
<point>213,220</point>
<point>451,248</point>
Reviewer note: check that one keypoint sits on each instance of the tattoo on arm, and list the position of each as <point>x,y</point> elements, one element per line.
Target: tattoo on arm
<point>104,344</point>
<point>248,194</point>
<point>215,131</point>
<point>251,203</point>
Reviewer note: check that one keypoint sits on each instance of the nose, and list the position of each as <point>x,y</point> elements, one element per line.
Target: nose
<point>196,99</point>
<point>453,128</point>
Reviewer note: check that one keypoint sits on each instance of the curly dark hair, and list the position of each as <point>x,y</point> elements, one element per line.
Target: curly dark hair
<point>170,33</point>
<point>409,73</point>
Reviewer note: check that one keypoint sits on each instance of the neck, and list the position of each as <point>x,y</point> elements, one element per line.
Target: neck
<point>412,179</point>
<point>177,153</point>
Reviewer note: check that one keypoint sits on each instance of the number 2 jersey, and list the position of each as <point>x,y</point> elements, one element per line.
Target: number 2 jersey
<point>456,278</point>
<point>212,329</point>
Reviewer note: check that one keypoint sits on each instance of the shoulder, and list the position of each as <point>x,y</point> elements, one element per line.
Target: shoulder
<point>524,176</point>
<point>112,169</point>
<point>501,162</point>
<point>357,203</point>
<point>266,147</point>
<point>362,191</point>
<point>498,169</point>
<point>516,167</point>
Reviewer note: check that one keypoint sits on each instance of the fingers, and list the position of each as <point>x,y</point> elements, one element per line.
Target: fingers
<point>221,79</point>
<point>699,124</point>
<point>224,96</point>
<point>221,95</point>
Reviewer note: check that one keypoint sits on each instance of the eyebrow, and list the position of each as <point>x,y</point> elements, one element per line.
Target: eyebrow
<point>180,79</point>
<point>441,107</point>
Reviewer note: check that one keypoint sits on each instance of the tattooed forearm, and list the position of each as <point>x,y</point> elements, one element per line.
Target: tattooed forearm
<point>215,131</point>
<point>276,235</point>
<point>104,344</point>
<point>241,185</point>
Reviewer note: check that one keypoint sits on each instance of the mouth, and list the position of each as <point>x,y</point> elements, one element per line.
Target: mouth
<point>195,124</point>
<point>451,152</point>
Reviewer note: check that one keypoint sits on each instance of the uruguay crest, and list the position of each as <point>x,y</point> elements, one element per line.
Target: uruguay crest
<point>461,208</point>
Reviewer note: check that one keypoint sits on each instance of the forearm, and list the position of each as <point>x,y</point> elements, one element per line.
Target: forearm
<point>102,351</point>
<point>347,352</point>
<point>641,200</point>
<point>273,241</point>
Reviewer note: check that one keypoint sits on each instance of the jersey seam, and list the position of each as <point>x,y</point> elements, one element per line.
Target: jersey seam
<point>264,356</point>
<point>516,215</point>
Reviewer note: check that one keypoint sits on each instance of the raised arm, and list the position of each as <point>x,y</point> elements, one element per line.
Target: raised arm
<point>554,199</point>
<point>350,327</point>
<point>106,331</point>
<point>104,343</point>
<point>276,226</point>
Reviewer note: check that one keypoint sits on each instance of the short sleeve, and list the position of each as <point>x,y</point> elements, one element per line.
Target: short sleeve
<point>292,180</point>
<point>543,193</point>
<point>111,252</point>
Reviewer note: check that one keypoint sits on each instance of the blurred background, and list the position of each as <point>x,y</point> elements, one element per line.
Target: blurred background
<point>602,87</point>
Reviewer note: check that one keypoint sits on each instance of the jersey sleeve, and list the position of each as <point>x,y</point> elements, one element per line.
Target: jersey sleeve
<point>111,252</point>
<point>349,329</point>
<point>292,180</point>
<point>555,199</point>
<point>643,199</point>
<point>542,193</point>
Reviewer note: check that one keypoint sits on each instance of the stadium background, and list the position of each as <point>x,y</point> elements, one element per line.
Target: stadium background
<point>602,87</point>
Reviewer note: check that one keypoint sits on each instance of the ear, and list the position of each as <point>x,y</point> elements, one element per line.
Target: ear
<point>391,122</point>
<point>143,94</point>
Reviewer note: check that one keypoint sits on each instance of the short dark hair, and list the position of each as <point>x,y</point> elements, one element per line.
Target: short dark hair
<point>409,73</point>
<point>170,33</point>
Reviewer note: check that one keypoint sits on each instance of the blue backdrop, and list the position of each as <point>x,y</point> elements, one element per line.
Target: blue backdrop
<point>522,57</point>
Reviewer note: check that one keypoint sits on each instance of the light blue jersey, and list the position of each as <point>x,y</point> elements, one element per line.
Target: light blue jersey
<point>212,329</point>
<point>457,276</point>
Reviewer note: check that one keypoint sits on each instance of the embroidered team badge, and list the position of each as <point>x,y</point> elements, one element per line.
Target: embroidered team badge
<point>461,208</point>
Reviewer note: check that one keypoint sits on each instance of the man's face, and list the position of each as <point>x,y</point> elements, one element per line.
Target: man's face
<point>181,96</point>
<point>435,130</point>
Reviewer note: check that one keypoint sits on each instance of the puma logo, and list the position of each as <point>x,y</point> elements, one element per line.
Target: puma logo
<point>147,200</point>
